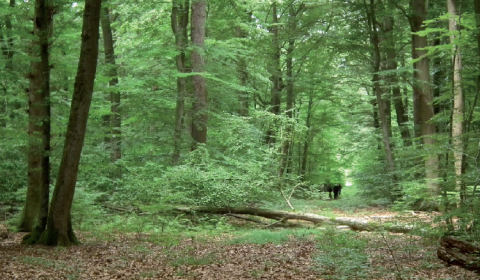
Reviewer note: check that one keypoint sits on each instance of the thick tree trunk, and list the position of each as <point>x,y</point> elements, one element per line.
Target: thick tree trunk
<point>35,211</point>
<point>384,120</point>
<point>200,106</point>
<point>179,17</point>
<point>454,251</point>
<point>59,228</point>
<point>423,108</point>
<point>402,117</point>
<point>458,111</point>
<point>354,224</point>
<point>115,116</point>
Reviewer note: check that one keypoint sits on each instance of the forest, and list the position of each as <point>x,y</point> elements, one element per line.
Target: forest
<point>239,139</point>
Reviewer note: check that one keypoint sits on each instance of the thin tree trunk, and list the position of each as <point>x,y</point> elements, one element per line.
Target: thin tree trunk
<point>243,95</point>
<point>307,139</point>
<point>458,111</point>
<point>35,211</point>
<point>179,17</point>
<point>422,96</point>
<point>59,229</point>
<point>275,73</point>
<point>115,116</point>
<point>8,51</point>
<point>287,142</point>
<point>200,106</point>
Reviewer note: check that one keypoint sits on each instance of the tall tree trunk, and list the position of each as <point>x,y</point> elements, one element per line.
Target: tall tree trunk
<point>115,113</point>
<point>384,121</point>
<point>422,95</point>
<point>200,106</point>
<point>8,51</point>
<point>179,17</point>
<point>402,117</point>
<point>275,73</point>
<point>35,211</point>
<point>458,111</point>
<point>243,95</point>
<point>59,229</point>
<point>290,90</point>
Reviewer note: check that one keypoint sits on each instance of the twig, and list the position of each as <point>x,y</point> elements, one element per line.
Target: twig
<point>399,275</point>
<point>279,221</point>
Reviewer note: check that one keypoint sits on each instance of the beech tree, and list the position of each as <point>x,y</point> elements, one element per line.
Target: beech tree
<point>34,214</point>
<point>59,229</point>
<point>200,104</point>
<point>179,23</point>
<point>422,96</point>
<point>115,116</point>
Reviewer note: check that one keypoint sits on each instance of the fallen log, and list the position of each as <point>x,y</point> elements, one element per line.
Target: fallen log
<point>354,224</point>
<point>454,251</point>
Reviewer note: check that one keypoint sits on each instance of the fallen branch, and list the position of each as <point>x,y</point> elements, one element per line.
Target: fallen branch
<point>354,224</point>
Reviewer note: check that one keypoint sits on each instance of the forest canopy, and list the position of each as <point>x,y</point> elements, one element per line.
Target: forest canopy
<point>235,103</point>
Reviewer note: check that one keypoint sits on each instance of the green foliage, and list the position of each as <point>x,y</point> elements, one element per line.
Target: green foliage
<point>342,255</point>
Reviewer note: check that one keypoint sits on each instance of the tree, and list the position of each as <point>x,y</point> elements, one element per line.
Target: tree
<point>200,105</point>
<point>384,120</point>
<point>392,80</point>
<point>457,114</point>
<point>179,24</point>
<point>275,72</point>
<point>115,118</point>
<point>59,227</point>
<point>35,211</point>
<point>422,96</point>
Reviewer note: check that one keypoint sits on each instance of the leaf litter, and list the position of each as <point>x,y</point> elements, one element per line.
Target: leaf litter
<point>136,256</point>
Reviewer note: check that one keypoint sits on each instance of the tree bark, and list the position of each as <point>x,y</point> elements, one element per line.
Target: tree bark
<point>308,139</point>
<point>402,117</point>
<point>115,117</point>
<point>8,51</point>
<point>354,224</point>
<point>454,251</point>
<point>384,121</point>
<point>179,17</point>
<point>34,214</point>
<point>59,228</point>
<point>458,106</point>
<point>422,96</point>
<point>200,106</point>
<point>287,142</point>
<point>243,95</point>
<point>275,74</point>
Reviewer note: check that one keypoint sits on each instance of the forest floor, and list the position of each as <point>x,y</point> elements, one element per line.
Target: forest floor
<point>335,254</point>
